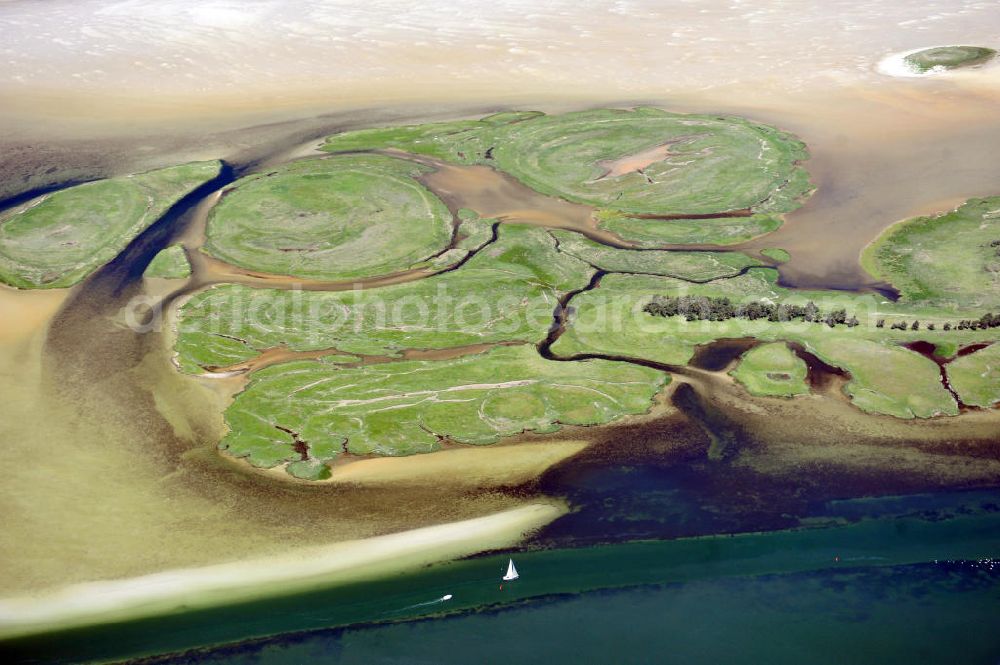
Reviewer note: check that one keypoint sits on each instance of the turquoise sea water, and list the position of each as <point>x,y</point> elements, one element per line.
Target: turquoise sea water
<point>884,615</point>
<point>875,581</point>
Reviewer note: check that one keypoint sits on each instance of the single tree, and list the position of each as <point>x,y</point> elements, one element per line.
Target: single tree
<point>811,312</point>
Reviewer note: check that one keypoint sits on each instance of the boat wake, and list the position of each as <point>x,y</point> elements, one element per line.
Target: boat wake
<point>437,601</point>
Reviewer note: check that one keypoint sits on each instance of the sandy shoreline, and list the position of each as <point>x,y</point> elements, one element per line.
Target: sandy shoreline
<point>481,467</point>
<point>197,588</point>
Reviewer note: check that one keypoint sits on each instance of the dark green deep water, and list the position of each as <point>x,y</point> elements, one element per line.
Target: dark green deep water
<point>905,614</point>
<point>891,580</point>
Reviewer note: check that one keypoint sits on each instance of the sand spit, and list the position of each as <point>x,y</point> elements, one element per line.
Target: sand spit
<point>196,588</point>
<point>479,467</point>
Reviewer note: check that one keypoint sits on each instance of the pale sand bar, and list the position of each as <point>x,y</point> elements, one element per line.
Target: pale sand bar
<point>197,588</point>
<point>476,467</point>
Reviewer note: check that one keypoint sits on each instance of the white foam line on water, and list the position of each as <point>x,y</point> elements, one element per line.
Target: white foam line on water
<point>895,64</point>
<point>443,599</point>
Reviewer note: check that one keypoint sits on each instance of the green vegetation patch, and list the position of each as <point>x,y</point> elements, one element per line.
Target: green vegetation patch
<point>777,254</point>
<point>410,406</point>
<point>948,57</point>
<point>474,230</point>
<point>886,378</point>
<point>57,240</point>
<point>951,259</point>
<point>463,141</point>
<point>473,233</point>
<point>946,348</point>
<point>694,266</point>
<point>169,263</point>
<point>342,217</point>
<point>309,468</point>
<point>772,370</point>
<point>506,292</point>
<point>610,318</point>
<point>711,163</point>
<point>658,232</point>
<point>640,161</point>
<point>975,378</point>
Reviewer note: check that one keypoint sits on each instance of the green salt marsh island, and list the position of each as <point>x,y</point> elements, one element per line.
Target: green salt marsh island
<point>505,293</point>
<point>951,259</point>
<point>502,302</point>
<point>772,370</point>
<point>57,239</point>
<point>315,411</point>
<point>886,377</point>
<point>976,377</point>
<point>948,57</point>
<point>336,218</point>
<point>169,263</point>
<point>647,171</point>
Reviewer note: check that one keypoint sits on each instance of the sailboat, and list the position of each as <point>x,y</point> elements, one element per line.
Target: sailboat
<point>511,573</point>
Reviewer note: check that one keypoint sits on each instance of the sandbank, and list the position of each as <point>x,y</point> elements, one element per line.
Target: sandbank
<point>238,581</point>
<point>475,467</point>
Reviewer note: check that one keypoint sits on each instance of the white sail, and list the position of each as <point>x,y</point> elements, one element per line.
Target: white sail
<point>511,572</point>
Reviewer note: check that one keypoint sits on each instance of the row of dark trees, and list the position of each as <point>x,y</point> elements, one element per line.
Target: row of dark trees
<point>984,322</point>
<point>703,308</point>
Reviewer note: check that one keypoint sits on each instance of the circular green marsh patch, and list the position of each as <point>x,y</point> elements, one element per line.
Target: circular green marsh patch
<point>648,161</point>
<point>948,57</point>
<point>343,217</point>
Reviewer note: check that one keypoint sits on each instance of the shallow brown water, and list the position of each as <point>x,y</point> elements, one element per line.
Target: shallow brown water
<point>709,458</point>
<point>495,195</point>
<point>824,378</point>
<point>720,354</point>
<point>879,157</point>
